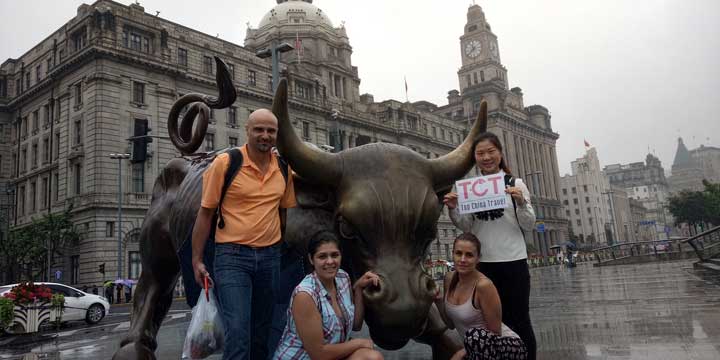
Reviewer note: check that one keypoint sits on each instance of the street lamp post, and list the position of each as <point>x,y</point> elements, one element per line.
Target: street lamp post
<point>119,158</point>
<point>274,52</point>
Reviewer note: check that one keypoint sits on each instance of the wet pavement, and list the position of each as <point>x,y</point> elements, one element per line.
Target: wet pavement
<point>646,311</point>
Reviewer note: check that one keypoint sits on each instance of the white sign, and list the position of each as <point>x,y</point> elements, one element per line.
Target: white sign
<point>482,193</point>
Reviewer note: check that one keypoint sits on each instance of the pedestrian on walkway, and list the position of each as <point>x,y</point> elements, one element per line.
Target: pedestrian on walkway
<point>247,245</point>
<point>502,235</point>
<point>109,292</point>
<point>470,304</point>
<point>324,309</point>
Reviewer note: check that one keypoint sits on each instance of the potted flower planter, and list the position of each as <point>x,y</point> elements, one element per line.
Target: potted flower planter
<point>32,306</point>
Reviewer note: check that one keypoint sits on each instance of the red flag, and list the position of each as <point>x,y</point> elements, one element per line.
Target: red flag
<point>587,144</point>
<point>298,47</point>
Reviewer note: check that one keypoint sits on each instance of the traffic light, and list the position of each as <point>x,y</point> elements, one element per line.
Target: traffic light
<point>101,268</point>
<point>140,140</point>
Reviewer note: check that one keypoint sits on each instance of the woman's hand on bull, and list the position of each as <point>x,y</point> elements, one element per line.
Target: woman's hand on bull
<point>438,296</point>
<point>516,194</point>
<point>366,280</point>
<point>451,200</point>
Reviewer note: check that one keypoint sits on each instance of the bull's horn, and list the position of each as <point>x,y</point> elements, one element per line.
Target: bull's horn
<point>310,163</point>
<point>449,168</point>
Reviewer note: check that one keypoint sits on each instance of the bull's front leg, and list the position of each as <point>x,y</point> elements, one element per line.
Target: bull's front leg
<point>444,342</point>
<point>154,293</point>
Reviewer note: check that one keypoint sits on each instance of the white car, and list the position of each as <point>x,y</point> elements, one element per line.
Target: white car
<point>79,305</point>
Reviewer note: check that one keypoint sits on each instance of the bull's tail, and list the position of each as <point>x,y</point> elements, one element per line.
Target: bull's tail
<point>183,137</point>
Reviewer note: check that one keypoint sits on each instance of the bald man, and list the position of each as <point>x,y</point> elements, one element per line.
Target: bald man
<point>247,248</point>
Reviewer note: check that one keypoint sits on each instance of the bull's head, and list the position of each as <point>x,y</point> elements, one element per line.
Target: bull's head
<point>386,214</point>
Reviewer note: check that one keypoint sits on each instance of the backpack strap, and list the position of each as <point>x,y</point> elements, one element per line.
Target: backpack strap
<point>285,171</point>
<point>284,167</point>
<point>510,181</point>
<point>236,161</point>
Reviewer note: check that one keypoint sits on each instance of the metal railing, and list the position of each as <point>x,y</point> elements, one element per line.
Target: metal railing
<point>705,244</point>
<point>656,249</point>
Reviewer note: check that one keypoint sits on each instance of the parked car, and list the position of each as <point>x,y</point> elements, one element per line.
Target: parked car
<point>79,305</point>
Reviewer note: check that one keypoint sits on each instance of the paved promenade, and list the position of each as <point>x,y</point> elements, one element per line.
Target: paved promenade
<point>649,311</point>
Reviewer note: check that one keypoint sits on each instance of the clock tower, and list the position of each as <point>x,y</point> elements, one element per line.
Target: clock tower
<point>480,53</point>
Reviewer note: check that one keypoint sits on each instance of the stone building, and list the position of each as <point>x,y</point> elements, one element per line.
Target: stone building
<point>586,197</point>
<point>708,157</point>
<point>686,173</point>
<point>638,214</point>
<point>621,214</point>
<point>646,183</point>
<point>113,72</point>
<point>691,167</point>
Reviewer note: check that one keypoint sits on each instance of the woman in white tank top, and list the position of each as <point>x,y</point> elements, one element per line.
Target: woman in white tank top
<point>471,305</point>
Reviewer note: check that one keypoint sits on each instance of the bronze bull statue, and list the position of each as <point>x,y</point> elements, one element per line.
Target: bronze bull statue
<point>382,200</point>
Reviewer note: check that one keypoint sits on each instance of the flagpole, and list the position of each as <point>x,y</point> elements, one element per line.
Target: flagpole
<point>406,91</point>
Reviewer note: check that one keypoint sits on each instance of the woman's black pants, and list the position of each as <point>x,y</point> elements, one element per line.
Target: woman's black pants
<point>512,280</point>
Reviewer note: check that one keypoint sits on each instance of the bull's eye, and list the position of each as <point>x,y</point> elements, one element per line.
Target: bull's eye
<point>345,229</point>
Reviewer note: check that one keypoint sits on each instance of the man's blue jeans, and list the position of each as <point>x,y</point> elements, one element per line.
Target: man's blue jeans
<point>245,279</point>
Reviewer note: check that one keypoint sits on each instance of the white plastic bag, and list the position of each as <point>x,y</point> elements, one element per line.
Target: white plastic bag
<point>205,334</point>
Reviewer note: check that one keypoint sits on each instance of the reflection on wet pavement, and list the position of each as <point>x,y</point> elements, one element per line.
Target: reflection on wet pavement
<point>659,310</point>
<point>651,311</point>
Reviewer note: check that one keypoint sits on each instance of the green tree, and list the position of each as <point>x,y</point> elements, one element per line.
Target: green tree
<point>688,207</point>
<point>33,249</point>
<point>712,202</point>
<point>18,253</point>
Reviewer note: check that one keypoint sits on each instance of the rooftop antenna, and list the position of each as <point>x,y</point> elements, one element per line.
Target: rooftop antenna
<point>157,13</point>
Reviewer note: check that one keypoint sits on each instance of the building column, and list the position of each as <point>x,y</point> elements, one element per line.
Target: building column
<point>509,152</point>
<point>352,139</point>
<point>526,164</point>
<point>345,140</point>
<point>541,167</point>
<point>549,175</point>
<point>556,170</point>
<point>537,166</point>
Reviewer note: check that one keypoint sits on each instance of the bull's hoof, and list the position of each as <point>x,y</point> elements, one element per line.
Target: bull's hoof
<point>134,351</point>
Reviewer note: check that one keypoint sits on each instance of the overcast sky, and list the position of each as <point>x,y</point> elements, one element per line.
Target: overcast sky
<point>627,75</point>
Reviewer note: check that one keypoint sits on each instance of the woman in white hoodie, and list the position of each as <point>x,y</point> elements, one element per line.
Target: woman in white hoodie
<point>501,233</point>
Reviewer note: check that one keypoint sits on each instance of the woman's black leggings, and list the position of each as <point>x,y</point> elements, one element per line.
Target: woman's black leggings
<point>512,280</point>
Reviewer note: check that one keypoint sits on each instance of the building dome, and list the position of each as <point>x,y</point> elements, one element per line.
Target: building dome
<point>300,12</point>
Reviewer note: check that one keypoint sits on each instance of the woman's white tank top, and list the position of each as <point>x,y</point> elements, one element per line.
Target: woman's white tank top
<point>466,316</point>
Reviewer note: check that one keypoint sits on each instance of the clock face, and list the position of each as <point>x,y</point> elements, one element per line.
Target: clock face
<point>473,48</point>
<point>493,49</point>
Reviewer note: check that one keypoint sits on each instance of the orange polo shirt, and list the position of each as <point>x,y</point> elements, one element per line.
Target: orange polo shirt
<point>252,202</point>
